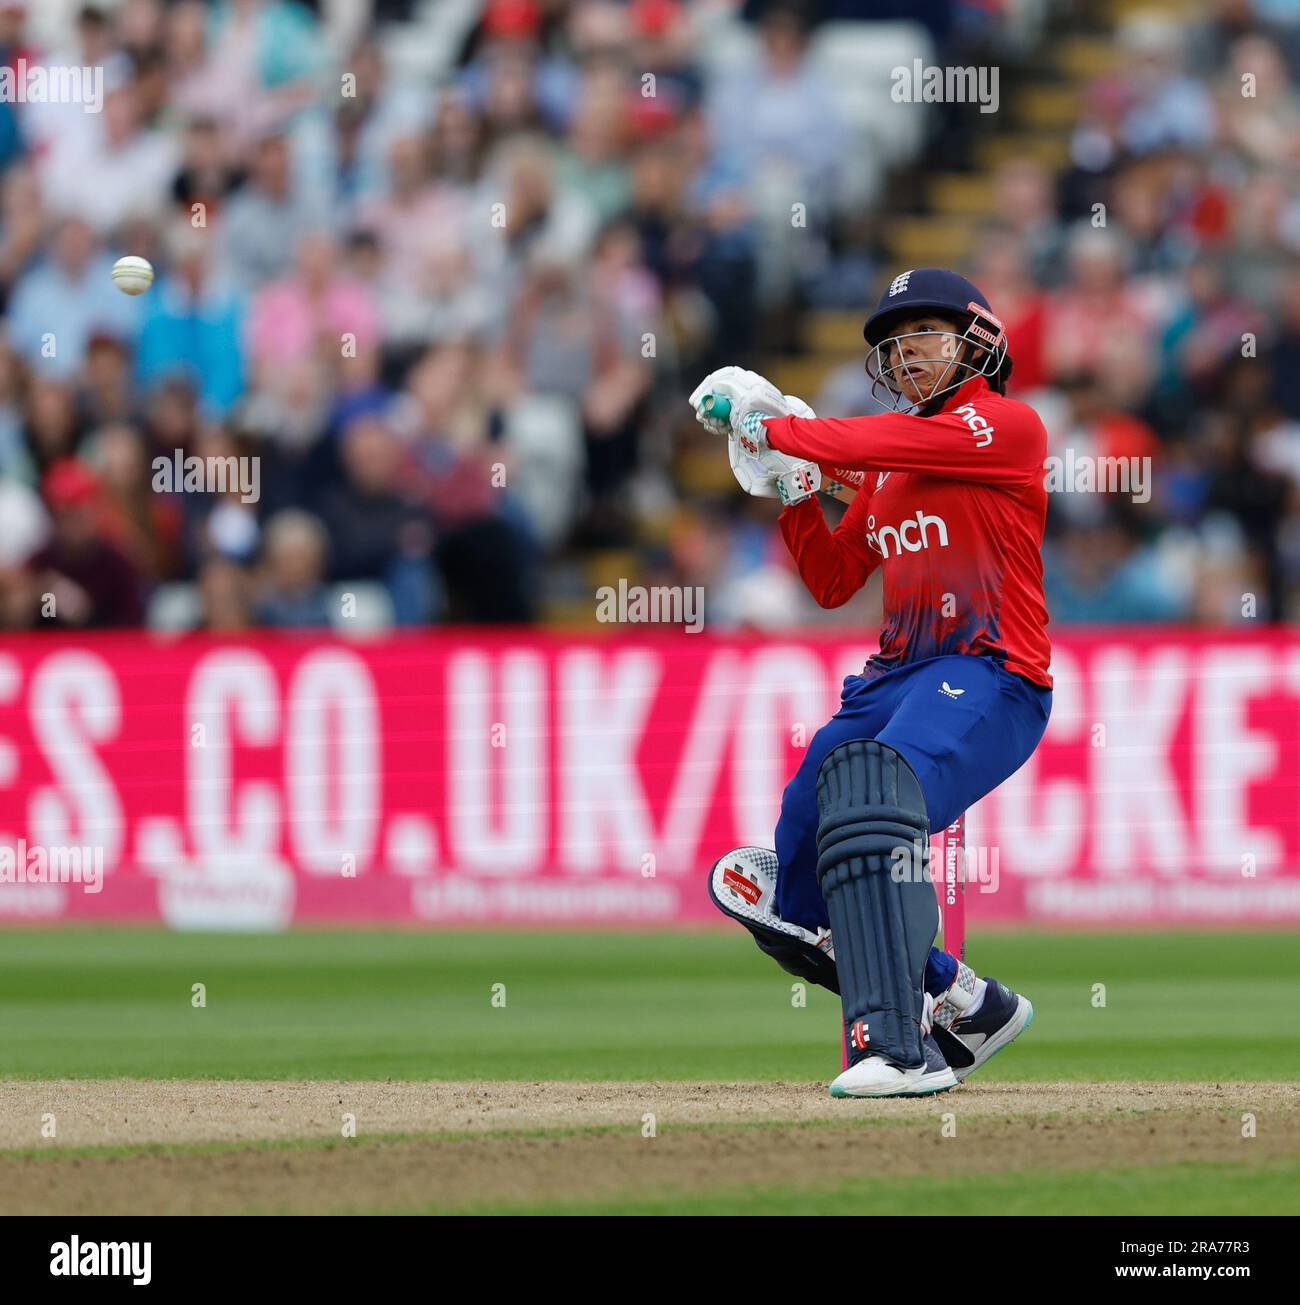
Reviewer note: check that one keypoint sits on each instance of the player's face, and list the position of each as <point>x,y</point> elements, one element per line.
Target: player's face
<point>922,352</point>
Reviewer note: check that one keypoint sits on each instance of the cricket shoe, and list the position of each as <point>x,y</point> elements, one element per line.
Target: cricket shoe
<point>997,1022</point>
<point>876,1077</point>
<point>742,885</point>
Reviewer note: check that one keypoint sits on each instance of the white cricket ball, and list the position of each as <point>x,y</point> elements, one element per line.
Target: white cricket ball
<point>132,275</point>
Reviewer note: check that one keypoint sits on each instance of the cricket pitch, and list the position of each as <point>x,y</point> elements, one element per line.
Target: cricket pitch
<point>128,1146</point>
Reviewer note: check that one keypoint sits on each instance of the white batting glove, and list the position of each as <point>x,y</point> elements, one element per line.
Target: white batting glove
<point>772,474</point>
<point>730,383</point>
<point>797,479</point>
<point>753,475</point>
<point>801,481</point>
<point>757,402</point>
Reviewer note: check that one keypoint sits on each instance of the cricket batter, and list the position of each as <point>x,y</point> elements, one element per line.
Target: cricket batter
<point>951,506</point>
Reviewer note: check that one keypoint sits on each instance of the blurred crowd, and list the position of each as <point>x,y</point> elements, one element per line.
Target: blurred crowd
<point>447,268</point>
<point>1171,332</point>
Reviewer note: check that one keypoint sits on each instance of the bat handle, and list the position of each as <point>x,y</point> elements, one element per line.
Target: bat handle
<point>714,405</point>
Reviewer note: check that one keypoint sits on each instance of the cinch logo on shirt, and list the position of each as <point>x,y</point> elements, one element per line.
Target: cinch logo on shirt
<point>982,431</point>
<point>929,528</point>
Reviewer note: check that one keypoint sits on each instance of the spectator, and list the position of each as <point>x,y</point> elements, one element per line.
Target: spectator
<point>569,339</point>
<point>1025,202</point>
<point>121,170</point>
<point>320,312</point>
<point>207,174</point>
<point>1203,336</point>
<point>149,523</point>
<point>792,126</point>
<point>22,225</point>
<point>61,302</point>
<point>346,154</point>
<point>1097,308</point>
<point>417,215</point>
<point>266,217</point>
<point>484,541</point>
<point>107,391</point>
<point>786,143</point>
<point>595,165</point>
<point>1003,261</point>
<point>86,580</point>
<point>1166,107</point>
<point>16,463</point>
<point>24,529</point>
<point>292,589</point>
<point>1285,354</point>
<point>1261,127</point>
<point>536,215</point>
<point>1100,573</point>
<point>253,61</point>
<point>222,522</point>
<point>195,324</point>
<point>53,429</point>
<point>377,532</point>
<point>224,597</point>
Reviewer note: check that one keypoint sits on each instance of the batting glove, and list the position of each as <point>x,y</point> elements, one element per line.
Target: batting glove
<point>772,474</point>
<point>752,474</point>
<point>927,1015</point>
<point>797,479</point>
<point>730,383</point>
<point>758,402</point>
<point>801,481</point>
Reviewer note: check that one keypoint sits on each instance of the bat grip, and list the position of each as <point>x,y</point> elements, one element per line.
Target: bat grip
<point>715,405</point>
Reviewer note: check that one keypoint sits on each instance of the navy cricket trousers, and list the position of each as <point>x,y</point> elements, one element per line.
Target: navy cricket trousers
<point>963,723</point>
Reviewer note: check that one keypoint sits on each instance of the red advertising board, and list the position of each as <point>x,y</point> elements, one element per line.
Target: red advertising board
<point>463,778</point>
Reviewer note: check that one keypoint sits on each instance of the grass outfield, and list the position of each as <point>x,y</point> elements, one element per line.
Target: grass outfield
<point>1188,1188</point>
<point>91,1003</point>
<point>339,1072</point>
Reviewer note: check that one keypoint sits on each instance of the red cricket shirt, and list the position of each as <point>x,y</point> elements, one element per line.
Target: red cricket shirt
<point>953,508</point>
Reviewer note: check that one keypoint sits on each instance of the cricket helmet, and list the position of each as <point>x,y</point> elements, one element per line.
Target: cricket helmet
<point>979,344</point>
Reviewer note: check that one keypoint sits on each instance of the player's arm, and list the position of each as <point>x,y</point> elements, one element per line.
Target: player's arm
<point>833,565</point>
<point>1002,445</point>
